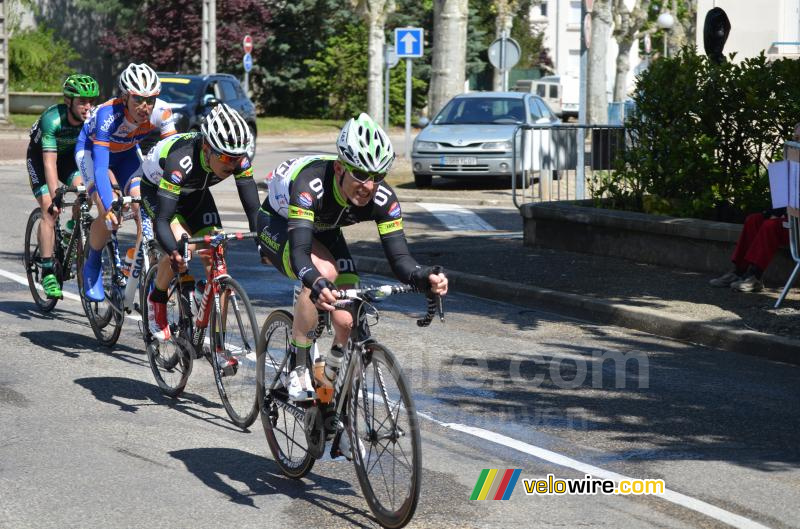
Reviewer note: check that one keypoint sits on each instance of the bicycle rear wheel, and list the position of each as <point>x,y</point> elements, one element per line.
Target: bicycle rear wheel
<point>384,436</point>
<point>236,327</point>
<point>106,317</point>
<point>283,425</point>
<point>33,262</point>
<point>171,361</point>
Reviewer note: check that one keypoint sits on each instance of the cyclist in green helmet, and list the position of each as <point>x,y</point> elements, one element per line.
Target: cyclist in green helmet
<point>51,158</point>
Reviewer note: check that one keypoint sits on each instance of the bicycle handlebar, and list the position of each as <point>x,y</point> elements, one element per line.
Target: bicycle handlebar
<point>58,199</point>
<point>216,239</point>
<point>435,301</point>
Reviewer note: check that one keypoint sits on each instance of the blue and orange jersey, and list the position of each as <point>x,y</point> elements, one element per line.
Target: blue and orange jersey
<point>111,132</point>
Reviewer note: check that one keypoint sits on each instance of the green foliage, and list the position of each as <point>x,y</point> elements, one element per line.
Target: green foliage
<point>339,72</point>
<point>530,44</point>
<point>38,61</point>
<point>704,154</point>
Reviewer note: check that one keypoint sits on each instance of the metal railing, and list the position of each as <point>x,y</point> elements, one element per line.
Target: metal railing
<point>548,164</point>
<point>791,153</point>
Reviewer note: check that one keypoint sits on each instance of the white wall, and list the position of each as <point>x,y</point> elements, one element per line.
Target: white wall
<point>754,25</point>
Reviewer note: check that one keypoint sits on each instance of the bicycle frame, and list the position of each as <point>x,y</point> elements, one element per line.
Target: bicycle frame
<point>77,236</point>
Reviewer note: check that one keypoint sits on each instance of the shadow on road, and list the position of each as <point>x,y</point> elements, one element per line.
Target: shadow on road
<point>121,391</point>
<point>261,476</point>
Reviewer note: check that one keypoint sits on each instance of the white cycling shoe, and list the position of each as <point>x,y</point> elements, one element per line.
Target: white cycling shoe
<point>300,387</point>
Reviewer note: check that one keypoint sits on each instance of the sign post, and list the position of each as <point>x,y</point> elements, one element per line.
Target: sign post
<point>504,53</point>
<point>247,62</point>
<point>390,60</point>
<point>408,45</point>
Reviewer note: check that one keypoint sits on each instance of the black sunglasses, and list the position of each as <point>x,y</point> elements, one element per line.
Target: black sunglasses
<point>138,100</point>
<point>364,177</point>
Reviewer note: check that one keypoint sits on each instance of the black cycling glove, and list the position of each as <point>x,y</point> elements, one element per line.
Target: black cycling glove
<point>419,277</point>
<point>320,285</point>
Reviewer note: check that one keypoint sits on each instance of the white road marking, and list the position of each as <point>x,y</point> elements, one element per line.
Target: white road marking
<point>22,280</point>
<point>555,458</point>
<point>677,498</point>
<point>456,218</point>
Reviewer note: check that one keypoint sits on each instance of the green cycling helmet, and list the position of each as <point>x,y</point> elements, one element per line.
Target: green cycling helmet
<point>78,85</point>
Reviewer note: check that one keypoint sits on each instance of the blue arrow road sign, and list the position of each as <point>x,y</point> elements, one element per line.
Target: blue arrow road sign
<point>248,62</point>
<point>408,42</point>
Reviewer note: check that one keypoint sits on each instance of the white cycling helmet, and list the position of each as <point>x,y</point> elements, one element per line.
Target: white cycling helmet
<point>365,146</point>
<point>227,131</point>
<point>140,80</point>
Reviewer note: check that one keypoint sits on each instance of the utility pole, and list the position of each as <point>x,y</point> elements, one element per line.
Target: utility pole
<point>4,61</point>
<point>208,45</point>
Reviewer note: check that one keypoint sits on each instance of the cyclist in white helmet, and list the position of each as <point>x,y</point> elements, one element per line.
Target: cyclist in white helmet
<point>178,173</point>
<point>107,153</point>
<point>310,199</point>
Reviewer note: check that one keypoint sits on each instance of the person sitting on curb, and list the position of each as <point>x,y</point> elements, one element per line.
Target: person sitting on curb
<point>762,235</point>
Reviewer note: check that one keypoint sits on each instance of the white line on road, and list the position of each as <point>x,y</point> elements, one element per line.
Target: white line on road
<point>677,498</point>
<point>456,218</point>
<point>67,295</point>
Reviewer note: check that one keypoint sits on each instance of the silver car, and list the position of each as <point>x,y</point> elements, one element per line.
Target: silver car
<point>471,137</point>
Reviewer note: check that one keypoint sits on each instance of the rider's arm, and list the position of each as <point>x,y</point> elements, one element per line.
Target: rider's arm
<point>49,152</point>
<point>167,206</point>
<point>248,192</point>
<point>49,158</point>
<point>100,154</point>
<point>301,235</point>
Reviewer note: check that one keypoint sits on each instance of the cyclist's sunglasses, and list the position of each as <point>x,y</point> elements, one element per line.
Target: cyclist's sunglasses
<point>227,159</point>
<point>363,177</point>
<point>138,100</point>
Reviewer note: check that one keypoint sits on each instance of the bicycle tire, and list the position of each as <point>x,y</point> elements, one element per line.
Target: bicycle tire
<point>390,428</point>
<point>237,390</point>
<point>106,317</point>
<point>285,433</point>
<point>170,362</point>
<point>32,259</point>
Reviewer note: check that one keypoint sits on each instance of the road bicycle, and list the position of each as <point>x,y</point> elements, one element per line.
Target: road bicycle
<point>67,250</point>
<point>371,408</point>
<point>224,305</point>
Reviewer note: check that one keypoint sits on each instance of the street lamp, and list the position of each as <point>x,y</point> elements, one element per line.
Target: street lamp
<point>665,21</point>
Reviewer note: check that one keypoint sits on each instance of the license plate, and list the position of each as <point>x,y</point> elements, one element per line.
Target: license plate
<point>459,160</point>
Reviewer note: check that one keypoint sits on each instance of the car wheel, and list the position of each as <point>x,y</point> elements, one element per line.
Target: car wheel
<point>423,180</point>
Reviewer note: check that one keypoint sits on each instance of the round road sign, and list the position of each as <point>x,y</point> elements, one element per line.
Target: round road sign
<point>247,43</point>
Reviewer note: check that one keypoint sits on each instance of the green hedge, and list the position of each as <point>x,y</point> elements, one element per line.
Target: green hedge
<point>39,61</point>
<point>702,135</point>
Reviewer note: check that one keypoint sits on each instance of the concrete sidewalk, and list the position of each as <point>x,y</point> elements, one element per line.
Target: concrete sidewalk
<point>673,303</point>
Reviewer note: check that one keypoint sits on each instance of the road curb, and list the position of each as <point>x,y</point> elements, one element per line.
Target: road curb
<point>752,343</point>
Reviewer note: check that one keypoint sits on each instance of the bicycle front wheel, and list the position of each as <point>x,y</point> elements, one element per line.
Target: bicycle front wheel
<point>283,429</point>
<point>170,361</point>
<point>106,317</point>
<point>384,437</point>
<point>233,339</point>
<point>33,261</point>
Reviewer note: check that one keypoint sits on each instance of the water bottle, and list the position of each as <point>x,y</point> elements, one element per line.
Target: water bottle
<point>324,386</point>
<point>333,362</point>
<point>128,262</point>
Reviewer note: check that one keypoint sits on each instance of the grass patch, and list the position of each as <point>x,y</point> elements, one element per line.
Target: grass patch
<point>278,125</point>
<point>23,121</point>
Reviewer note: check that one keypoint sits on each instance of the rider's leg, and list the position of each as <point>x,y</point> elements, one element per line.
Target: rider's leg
<point>46,244</point>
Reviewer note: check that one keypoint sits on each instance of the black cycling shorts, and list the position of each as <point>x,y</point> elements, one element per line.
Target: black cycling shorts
<point>197,212</point>
<point>65,166</point>
<point>273,243</point>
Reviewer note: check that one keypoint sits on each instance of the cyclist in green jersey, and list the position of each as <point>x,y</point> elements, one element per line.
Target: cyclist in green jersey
<point>51,158</point>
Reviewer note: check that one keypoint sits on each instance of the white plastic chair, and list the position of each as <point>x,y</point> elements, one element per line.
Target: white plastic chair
<point>794,245</point>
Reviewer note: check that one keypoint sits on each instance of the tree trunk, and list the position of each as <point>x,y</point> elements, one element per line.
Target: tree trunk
<point>502,22</point>
<point>623,65</point>
<point>448,68</point>
<point>597,108</point>
<point>628,27</point>
<point>374,13</point>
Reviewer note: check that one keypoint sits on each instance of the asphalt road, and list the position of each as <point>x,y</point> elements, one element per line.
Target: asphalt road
<point>87,440</point>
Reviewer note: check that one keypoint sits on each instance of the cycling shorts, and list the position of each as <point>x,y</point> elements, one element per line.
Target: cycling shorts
<point>64,166</point>
<point>197,212</point>
<point>273,243</point>
<point>126,166</point>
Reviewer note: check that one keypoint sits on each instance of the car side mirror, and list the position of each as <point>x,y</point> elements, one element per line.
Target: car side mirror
<point>210,101</point>
<point>423,122</point>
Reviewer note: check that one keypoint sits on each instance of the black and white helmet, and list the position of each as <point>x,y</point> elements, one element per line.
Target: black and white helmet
<point>140,80</point>
<point>226,131</point>
<point>365,146</point>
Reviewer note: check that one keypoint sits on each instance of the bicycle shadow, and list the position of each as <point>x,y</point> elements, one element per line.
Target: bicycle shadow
<point>72,344</point>
<point>262,477</point>
<point>112,390</point>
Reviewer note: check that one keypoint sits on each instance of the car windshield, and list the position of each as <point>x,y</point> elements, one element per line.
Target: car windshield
<point>481,110</point>
<point>179,89</point>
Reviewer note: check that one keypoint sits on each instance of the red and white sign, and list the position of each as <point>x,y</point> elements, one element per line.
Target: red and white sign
<point>247,43</point>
